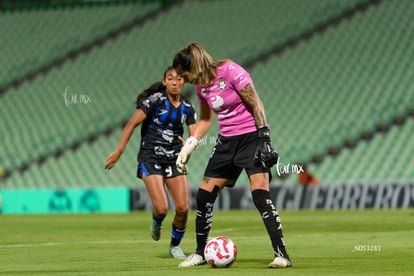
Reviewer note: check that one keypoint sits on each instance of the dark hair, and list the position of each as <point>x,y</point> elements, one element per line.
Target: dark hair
<point>155,87</point>
<point>182,60</point>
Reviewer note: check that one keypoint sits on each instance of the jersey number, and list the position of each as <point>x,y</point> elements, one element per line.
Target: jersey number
<point>168,171</point>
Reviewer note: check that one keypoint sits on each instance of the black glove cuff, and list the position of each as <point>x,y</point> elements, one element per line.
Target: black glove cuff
<point>264,133</point>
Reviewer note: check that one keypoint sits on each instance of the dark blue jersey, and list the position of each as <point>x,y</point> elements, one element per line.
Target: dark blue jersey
<point>163,125</point>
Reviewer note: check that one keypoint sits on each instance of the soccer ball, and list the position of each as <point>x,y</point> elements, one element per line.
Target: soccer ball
<point>220,252</point>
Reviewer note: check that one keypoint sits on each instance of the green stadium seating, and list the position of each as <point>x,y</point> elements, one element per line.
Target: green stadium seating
<point>385,159</point>
<point>325,90</point>
<point>32,38</point>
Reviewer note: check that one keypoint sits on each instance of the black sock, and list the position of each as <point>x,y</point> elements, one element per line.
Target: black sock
<point>176,235</point>
<point>270,217</point>
<point>159,219</point>
<point>204,217</point>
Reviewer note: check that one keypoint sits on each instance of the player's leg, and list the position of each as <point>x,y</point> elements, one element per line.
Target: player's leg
<point>178,189</point>
<point>259,178</point>
<point>259,186</point>
<point>155,188</point>
<point>219,173</point>
<point>205,198</point>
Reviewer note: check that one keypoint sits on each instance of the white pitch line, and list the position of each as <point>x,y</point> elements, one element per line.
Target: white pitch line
<point>45,244</point>
<point>20,245</point>
<point>224,230</point>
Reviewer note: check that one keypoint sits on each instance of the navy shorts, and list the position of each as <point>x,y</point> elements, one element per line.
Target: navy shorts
<point>231,155</point>
<point>150,168</point>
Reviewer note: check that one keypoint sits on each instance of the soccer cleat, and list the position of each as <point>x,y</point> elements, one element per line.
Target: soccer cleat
<point>192,260</point>
<point>176,252</point>
<point>155,230</point>
<point>280,262</point>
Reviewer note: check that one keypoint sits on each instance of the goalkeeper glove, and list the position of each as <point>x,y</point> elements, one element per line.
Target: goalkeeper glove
<point>266,155</point>
<point>190,144</point>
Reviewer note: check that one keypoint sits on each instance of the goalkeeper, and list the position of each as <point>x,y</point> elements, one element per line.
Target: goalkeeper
<point>225,88</point>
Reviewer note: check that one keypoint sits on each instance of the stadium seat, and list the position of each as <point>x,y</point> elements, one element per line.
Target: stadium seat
<point>325,90</point>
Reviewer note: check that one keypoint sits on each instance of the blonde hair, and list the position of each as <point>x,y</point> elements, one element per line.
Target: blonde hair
<point>195,59</point>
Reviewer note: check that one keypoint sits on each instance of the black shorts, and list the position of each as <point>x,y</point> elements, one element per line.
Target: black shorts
<point>150,168</point>
<point>231,155</point>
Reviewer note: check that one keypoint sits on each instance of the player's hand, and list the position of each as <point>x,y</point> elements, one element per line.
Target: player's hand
<point>190,144</point>
<point>112,159</point>
<point>181,140</point>
<point>265,155</point>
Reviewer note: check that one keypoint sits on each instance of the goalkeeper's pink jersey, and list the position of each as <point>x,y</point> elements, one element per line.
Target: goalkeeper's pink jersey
<point>233,116</point>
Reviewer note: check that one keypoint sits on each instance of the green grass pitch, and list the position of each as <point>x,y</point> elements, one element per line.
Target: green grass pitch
<point>370,242</point>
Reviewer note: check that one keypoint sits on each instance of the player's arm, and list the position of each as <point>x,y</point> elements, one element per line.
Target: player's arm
<point>204,122</point>
<point>137,118</point>
<point>253,101</point>
<point>200,129</point>
<point>265,154</point>
<point>191,130</point>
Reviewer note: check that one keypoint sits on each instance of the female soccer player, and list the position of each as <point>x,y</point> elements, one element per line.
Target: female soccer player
<point>162,111</point>
<point>225,88</point>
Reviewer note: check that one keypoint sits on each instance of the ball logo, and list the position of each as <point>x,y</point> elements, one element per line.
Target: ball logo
<point>220,252</point>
